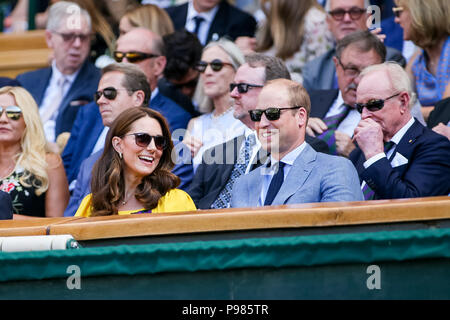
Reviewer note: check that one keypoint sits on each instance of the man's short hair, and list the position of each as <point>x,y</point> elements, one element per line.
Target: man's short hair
<point>297,94</point>
<point>61,10</point>
<point>134,79</point>
<point>364,41</point>
<point>397,76</point>
<point>328,5</point>
<point>185,51</point>
<point>275,68</point>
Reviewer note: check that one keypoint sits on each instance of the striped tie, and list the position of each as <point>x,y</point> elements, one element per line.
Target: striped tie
<point>367,191</point>
<point>332,123</point>
<point>224,198</point>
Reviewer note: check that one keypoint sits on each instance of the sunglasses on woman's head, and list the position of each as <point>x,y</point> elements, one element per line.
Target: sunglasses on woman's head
<point>373,105</point>
<point>216,65</point>
<point>272,114</point>
<point>133,56</point>
<point>12,112</point>
<point>144,139</point>
<point>243,87</point>
<point>109,93</point>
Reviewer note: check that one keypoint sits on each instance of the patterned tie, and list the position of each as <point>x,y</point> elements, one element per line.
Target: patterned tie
<point>275,184</point>
<point>332,123</point>
<point>224,198</point>
<point>198,21</point>
<point>367,191</point>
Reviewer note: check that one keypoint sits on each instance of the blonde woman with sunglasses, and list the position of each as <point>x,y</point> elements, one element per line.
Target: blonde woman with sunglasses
<point>32,175</point>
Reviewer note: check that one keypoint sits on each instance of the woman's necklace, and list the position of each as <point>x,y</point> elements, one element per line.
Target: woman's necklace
<point>222,113</point>
<point>125,200</point>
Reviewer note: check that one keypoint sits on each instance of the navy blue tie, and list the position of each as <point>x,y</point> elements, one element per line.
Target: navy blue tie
<point>275,184</point>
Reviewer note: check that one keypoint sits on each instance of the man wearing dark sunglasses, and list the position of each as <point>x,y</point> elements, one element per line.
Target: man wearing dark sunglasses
<point>397,157</point>
<point>121,87</point>
<point>146,50</point>
<point>70,82</point>
<point>214,179</point>
<point>295,172</point>
<point>343,18</point>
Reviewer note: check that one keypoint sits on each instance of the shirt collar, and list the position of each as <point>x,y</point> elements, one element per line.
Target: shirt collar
<point>400,133</point>
<point>208,15</point>
<point>290,158</point>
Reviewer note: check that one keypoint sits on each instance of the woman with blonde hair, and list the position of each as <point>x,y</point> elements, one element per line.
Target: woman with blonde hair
<point>426,23</point>
<point>218,65</point>
<point>147,16</point>
<point>33,176</point>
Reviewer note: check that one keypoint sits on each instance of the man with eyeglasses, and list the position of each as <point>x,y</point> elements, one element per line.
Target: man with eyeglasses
<point>295,172</point>
<point>344,17</point>
<point>223,164</point>
<point>146,50</point>
<point>122,86</point>
<point>62,89</point>
<point>397,157</point>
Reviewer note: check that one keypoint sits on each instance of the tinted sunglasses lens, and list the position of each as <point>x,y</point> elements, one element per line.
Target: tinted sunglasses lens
<point>338,14</point>
<point>201,66</point>
<point>216,65</point>
<point>375,105</point>
<point>142,139</point>
<point>255,115</point>
<point>109,93</point>
<point>160,142</point>
<point>355,13</point>
<point>272,114</point>
<point>12,112</point>
<point>134,57</point>
<point>242,87</point>
<point>118,56</point>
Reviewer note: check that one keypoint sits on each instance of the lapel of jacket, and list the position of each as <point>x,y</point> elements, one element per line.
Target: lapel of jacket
<point>41,85</point>
<point>405,146</point>
<point>297,175</point>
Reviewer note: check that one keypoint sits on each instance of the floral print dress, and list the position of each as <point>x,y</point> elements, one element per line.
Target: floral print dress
<point>24,199</point>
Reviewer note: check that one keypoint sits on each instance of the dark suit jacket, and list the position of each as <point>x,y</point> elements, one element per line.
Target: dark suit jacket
<point>81,92</point>
<point>6,210</point>
<point>211,178</point>
<point>427,172</point>
<point>229,21</point>
<point>89,125</point>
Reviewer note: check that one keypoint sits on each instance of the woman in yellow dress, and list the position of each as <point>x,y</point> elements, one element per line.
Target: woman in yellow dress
<point>133,175</point>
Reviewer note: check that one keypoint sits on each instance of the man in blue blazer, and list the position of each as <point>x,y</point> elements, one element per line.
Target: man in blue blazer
<point>70,82</point>
<point>296,173</point>
<point>217,19</point>
<point>397,157</point>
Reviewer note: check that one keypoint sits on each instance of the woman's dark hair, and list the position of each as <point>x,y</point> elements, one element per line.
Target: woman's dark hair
<point>108,183</point>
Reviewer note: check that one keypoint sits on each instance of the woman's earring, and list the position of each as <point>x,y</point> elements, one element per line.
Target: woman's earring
<point>120,155</point>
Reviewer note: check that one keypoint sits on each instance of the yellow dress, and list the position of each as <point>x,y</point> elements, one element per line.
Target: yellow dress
<point>175,200</point>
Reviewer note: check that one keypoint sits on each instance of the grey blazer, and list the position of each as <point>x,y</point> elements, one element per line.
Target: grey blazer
<point>314,177</point>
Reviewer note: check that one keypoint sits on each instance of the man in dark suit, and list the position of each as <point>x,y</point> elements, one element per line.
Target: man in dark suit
<point>71,81</point>
<point>214,178</point>
<point>212,19</point>
<point>6,211</point>
<point>397,157</point>
<point>343,17</point>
